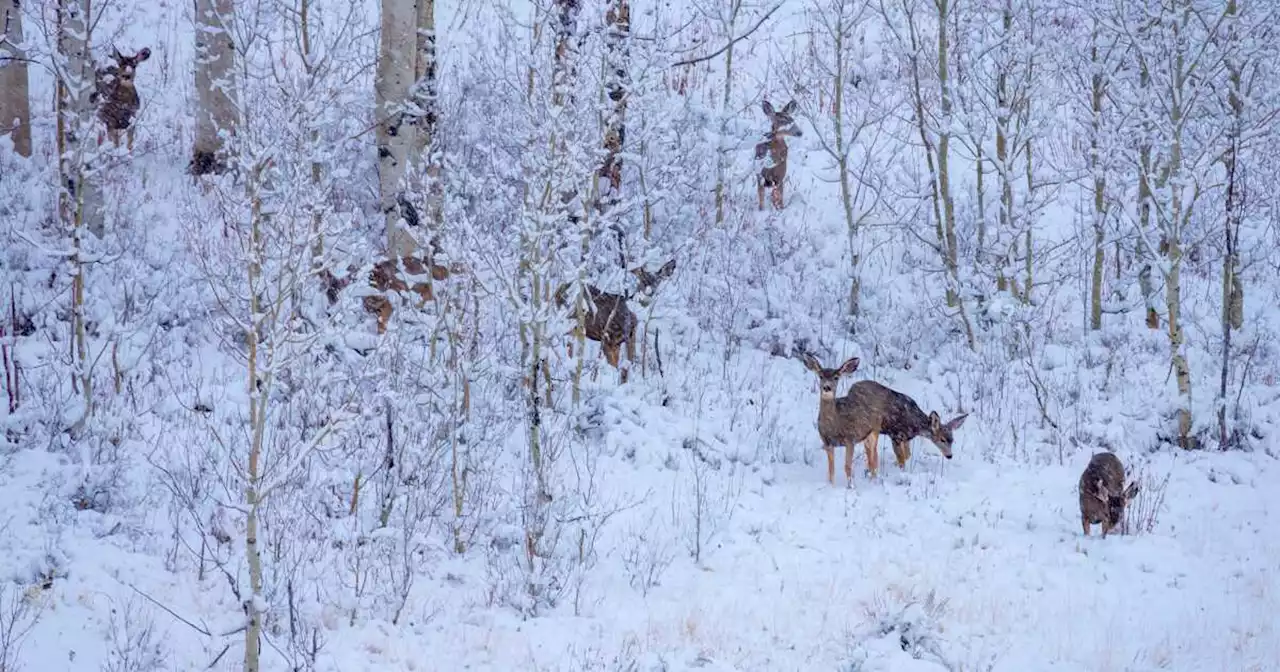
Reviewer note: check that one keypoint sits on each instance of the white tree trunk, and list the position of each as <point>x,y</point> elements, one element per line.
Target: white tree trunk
<point>393,83</point>
<point>15,98</point>
<point>217,112</point>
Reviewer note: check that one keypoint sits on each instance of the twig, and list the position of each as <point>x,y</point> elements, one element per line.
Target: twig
<point>152,600</point>
<point>731,42</point>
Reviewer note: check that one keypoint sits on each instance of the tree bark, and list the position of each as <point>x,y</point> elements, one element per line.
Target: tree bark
<point>1097,92</point>
<point>217,112</point>
<point>15,92</point>
<point>735,6</point>
<point>1232,286</point>
<point>393,83</point>
<point>617,83</point>
<point>257,429</point>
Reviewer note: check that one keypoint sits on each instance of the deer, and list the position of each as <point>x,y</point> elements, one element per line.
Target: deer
<point>868,410</point>
<point>774,173</point>
<point>395,275</point>
<point>609,321</point>
<point>1103,495</point>
<point>116,95</point>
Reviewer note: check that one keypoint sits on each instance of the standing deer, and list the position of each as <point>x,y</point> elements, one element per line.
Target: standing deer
<point>609,321</point>
<point>1103,496</point>
<point>772,175</point>
<point>387,275</point>
<point>868,410</point>
<point>116,95</point>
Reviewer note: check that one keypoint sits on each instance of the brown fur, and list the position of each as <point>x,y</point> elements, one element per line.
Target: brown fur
<point>1103,495</point>
<point>388,275</point>
<point>116,95</point>
<point>773,175</point>
<point>609,321</point>
<point>868,410</point>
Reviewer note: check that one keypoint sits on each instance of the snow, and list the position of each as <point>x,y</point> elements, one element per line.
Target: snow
<point>716,543</point>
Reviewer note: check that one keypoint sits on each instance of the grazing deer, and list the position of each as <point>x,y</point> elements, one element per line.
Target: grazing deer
<point>609,321</point>
<point>1103,496</point>
<point>116,95</point>
<point>387,275</point>
<point>868,410</point>
<point>772,175</point>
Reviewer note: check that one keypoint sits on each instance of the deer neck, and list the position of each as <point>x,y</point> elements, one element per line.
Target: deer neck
<point>827,413</point>
<point>777,148</point>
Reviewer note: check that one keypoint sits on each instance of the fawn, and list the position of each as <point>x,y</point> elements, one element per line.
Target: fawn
<point>1103,496</point>
<point>387,275</point>
<point>116,95</point>
<point>609,321</point>
<point>868,410</point>
<point>772,175</point>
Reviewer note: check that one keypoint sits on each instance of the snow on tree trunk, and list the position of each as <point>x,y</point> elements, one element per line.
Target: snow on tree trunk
<point>15,93</point>
<point>217,113</point>
<point>397,64</point>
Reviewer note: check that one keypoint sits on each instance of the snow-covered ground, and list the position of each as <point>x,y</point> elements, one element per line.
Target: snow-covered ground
<point>713,540</point>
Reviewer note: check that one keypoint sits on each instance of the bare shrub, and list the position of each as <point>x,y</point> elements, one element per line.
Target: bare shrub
<point>20,610</point>
<point>646,557</point>
<point>135,645</point>
<point>1143,512</point>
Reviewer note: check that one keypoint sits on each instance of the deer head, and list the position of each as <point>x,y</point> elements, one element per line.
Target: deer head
<point>828,379</point>
<point>647,283</point>
<point>121,74</point>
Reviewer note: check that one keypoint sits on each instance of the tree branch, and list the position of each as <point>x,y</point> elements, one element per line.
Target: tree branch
<point>731,42</point>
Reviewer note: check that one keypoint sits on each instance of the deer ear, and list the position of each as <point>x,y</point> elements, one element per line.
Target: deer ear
<point>1132,491</point>
<point>955,422</point>
<point>667,269</point>
<point>1101,492</point>
<point>790,107</point>
<point>935,423</point>
<point>811,362</point>
<point>115,53</point>
<point>768,108</point>
<point>143,55</point>
<point>850,365</point>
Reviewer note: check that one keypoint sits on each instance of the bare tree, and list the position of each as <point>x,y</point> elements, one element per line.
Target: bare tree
<point>1168,42</point>
<point>73,66</point>
<point>908,30</point>
<point>836,68</point>
<point>15,102</point>
<point>217,111</point>
<point>1246,41</point>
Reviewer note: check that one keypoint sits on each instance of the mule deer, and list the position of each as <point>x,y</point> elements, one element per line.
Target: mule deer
<point>772,175</point>
<point>609,321</point>
<point>116,94</point>
<point>1103,496</point>
<point>868,410</point>
<point>387,275</point>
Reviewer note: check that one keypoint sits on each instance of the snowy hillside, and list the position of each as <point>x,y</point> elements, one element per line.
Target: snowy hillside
<point>199,445</point>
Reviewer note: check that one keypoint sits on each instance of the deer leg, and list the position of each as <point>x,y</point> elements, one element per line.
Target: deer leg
<point>384,315</point>
<point>1084,520</point>
<point>902,451</point>
<point>873,452</point>
<point>848,464</point>
<point>760,193</point>
<point>631,352</point>
<point>130,137</point>
<point>777,196</point>
<point>1106,527</point>
<point>831,463</point>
